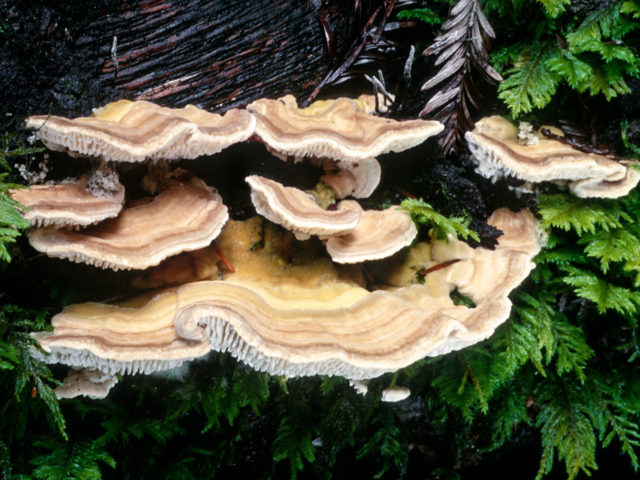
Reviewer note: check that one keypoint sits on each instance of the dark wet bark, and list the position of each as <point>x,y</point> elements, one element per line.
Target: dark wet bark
<point>218,54</point>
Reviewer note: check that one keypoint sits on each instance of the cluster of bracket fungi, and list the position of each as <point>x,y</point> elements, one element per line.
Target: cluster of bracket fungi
<point>310,317</point>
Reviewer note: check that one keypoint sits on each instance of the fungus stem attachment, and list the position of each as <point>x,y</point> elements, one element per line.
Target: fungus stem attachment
<point>222,257</point>
<point>426,271</point>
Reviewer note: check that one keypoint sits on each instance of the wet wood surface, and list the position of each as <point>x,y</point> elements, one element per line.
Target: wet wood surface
<point>217,54</point>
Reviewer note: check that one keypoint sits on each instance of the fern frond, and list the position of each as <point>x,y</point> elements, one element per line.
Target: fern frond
<point>29,372</point>
<point>529,332</point>
<point>632,7</point>
<point>633,268</point>
<point>387,445</point>
<point>630,147</point>
<point>512,411</point>
<point>529,84</point>
<point>566,429</point>
<point>626,431</point>
<point>425,15</point>
<point>606,79</point>
<point>70,460</point>
<point>605,295</point>
<point>10,218</point>
<point>294,439</point>
<point>553,8</point>
<point>615,412</point>
<point>559,256</point>
<point>616,245</point>
<point>571,347</point>
<point>469,378</point>
<point>569,67</point>
<point>250,388</point>
<point>423,213</point>
<point>571,213</point>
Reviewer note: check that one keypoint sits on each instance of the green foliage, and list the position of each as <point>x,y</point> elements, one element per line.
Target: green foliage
<point>571,213</point>
<point>227,396</point>
<point>631,7</point>
<point>425,15</point>
<point>28,376</point>
<point>562,369</point>
<point>424,214</point>
<point>294,438</point>
<point>538,332</point>
<point>617,245</point>
<point>589,56</point>
<point>70,460</point>
<point>566,428</point>
<point>631,148</point>
<point>553,8</point>
<point>529,84</point>
<point>10,219</point>
<point>388,444</point>
<point>469,378</point>
<point>605,295</point>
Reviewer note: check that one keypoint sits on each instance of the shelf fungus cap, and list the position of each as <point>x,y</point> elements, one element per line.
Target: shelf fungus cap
<point>185,216</point>
<point>342,129</point>
<point>495,146</point>
<point>297,211</point>
<point>126,131</point>
<point>67,204</point>
<point>352,179</point>
<point>379,234</point>
<point>88,382</point>
<point>395,394</point>
<point>299,319</point>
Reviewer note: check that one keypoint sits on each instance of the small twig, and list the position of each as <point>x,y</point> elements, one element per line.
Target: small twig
<point>114,55</point>
<point>224,259</point>
<point>576,144</point>
<point>425,271</point>
<point>367,36</point>
<point>405,193</point>
<point>408,65</point>
<point>368,277</point>
<point>379,86</point>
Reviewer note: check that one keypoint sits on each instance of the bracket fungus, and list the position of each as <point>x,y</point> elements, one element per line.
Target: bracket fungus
<point>352,179</point>
<point>185,216</point>
<point>341,129</point>
<point>395,394</point>
<point>352,234</point>
<point>297,211</point>
<point>495,146</point>
<point>300,319</point>
<point>379,234</point>
<point>87,382</point>
<point>67,204</point>
<point>126,131</point>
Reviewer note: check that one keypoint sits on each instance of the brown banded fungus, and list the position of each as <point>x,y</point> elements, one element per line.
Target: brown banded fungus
<point>185,216</point>
<point>379,234</point>
<point>301,319</point>
<point>126,131</point>
<point>87,382</point>
<point>341,129</point>
<point>352,179</point>
<point>297,211</point>
<point>495,146</point>
<point>67,204</point>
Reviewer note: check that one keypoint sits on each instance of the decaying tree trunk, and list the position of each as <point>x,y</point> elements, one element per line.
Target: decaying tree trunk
<point>67,57</point>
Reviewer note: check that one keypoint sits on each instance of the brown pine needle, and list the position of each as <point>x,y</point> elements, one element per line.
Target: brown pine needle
<point>426,271</point>
<point>224,259</point>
